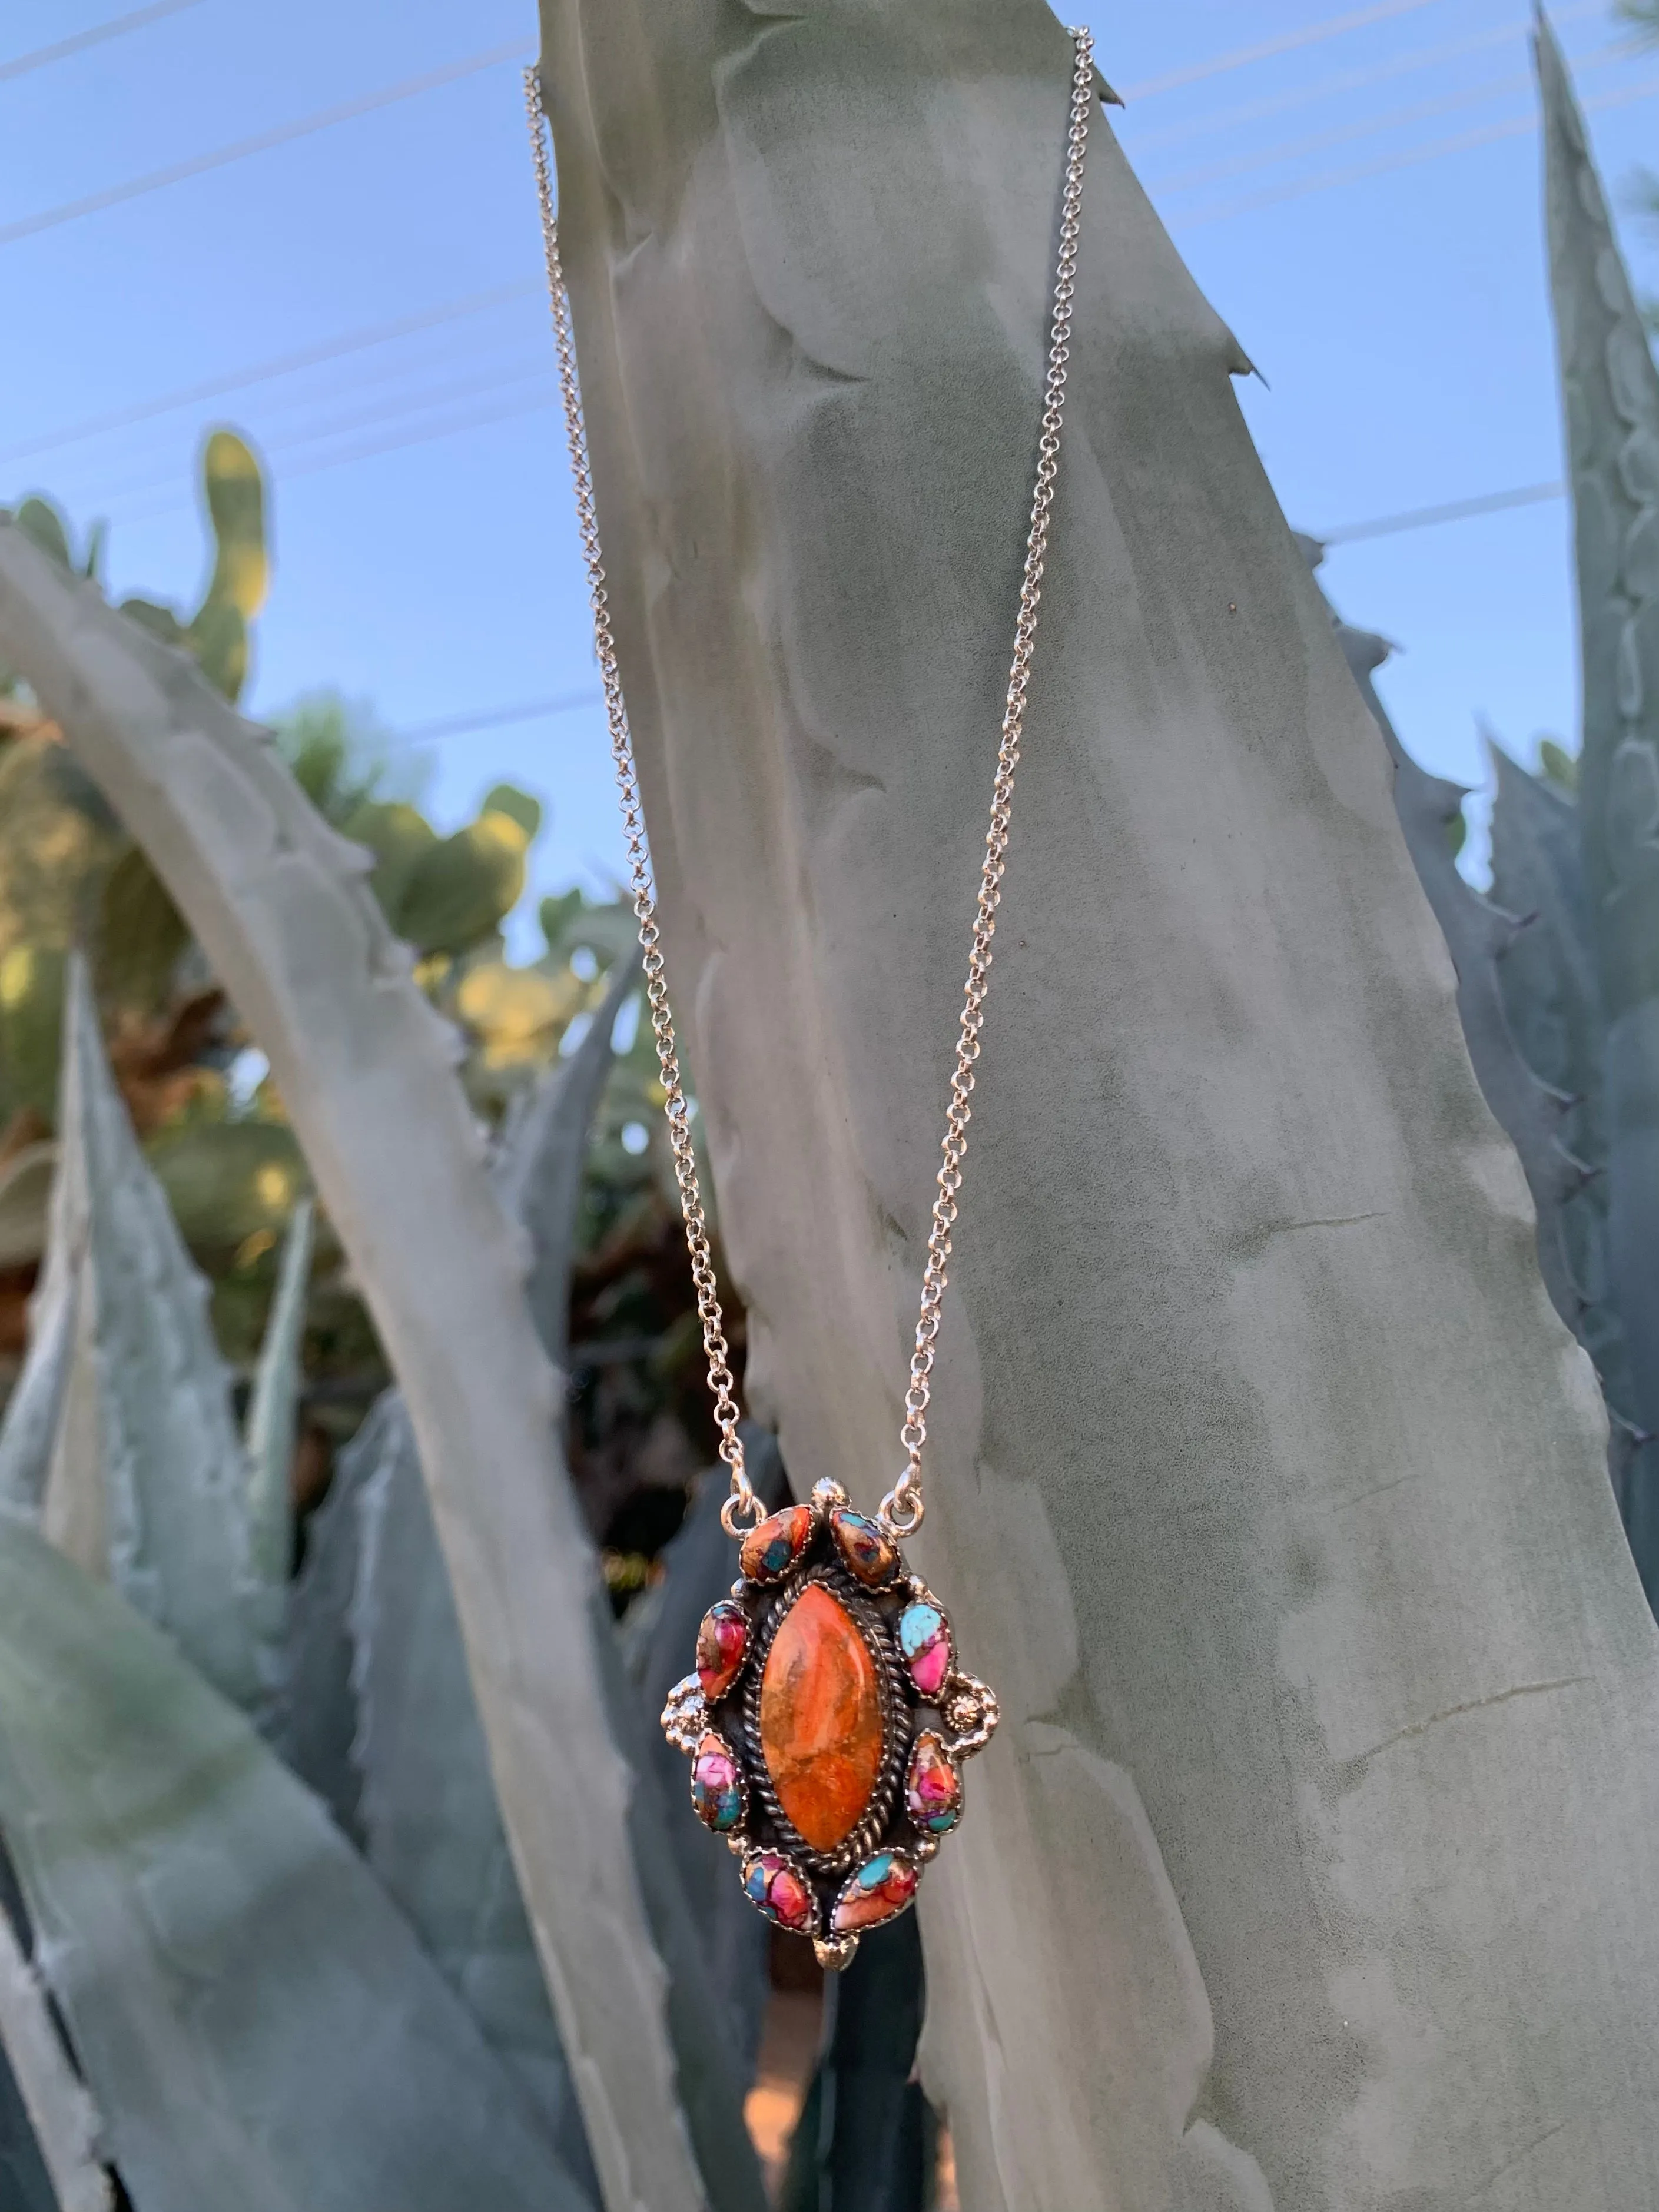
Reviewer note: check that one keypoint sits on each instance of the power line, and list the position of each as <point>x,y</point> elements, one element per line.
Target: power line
<point>1429,518</point>
<point>366,449</point>
<point>1331,88</point>
<point>117,27</point>
<point>1311,34</point>
<point>262,143</point>
<point>497,718</point>
<point>286,453</point>
<point>349,342</point>
<point>1330,179</point>
<point>1366,127</point>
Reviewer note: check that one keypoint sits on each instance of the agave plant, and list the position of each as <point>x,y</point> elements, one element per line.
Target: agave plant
<point>351,1999</point>
<point>1558,964</point>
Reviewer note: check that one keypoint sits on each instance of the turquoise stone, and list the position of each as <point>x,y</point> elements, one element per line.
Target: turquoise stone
<point>924,1638</point>
<point>919,1624</point>
<point>883,1887</point>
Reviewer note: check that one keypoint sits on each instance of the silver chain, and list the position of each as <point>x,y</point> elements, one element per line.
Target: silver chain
<point>901,1509</point>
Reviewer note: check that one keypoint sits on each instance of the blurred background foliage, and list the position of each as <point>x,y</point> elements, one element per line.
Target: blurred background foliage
<point>204,1104</point>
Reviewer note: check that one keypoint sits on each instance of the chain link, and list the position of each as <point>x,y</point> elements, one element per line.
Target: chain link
<point>901,1509</point>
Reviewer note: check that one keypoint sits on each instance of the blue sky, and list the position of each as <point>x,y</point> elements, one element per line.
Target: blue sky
<point>1356,188</point>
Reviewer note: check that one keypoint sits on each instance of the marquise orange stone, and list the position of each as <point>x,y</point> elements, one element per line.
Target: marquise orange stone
<point>821,1718</point>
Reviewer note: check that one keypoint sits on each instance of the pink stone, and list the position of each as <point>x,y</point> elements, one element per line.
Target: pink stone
<point>722,1646</point>
<point>933,1787</point>
<point>775,1888</point>
<point>929,1668</point>
<point>879,1891</point>
<point>716,1785</point>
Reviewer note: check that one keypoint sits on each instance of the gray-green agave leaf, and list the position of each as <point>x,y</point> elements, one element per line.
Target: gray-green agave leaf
<point>427,1812</point>
<point>1610,391</point>
<point>148,1481</point>
<point>271,1416</point>
<point>380,1719</point>
<point>255,2020</point>
<point>50,2129</point>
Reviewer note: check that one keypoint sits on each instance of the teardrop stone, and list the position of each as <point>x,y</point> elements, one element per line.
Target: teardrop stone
<point>769,1551</point>
<point>777,1890</point>
<point>716,1788</point>
<point>924,1641</point>
<point>880,1890</point>
<point>722,1642</point>
<point>821,1718</point>
<point>870,1553</point>
<point>932,1788</point>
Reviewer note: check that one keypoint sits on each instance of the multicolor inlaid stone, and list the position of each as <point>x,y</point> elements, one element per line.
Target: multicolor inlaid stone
<point>924,1639</point>
<point>932,1788</point>
<point>716,1785</point>
<point>772,1884</point>
<point>822,1728</point>
<point>880,1890</point>
<point>722,1644</point>
<point>868,1551</point>
<point>769,1551</point>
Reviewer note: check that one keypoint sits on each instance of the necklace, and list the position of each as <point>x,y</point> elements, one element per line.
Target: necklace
<point>828,1718</point>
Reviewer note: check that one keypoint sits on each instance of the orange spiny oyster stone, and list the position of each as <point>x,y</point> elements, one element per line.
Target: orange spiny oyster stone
<point>871,1554</point>
<point>771,1549</point>
<point>821,1724</point>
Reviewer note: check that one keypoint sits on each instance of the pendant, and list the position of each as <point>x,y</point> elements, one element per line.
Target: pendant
<point>827,1723</point>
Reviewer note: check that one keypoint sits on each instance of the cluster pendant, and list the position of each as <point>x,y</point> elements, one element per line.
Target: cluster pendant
<point>827,1723</point>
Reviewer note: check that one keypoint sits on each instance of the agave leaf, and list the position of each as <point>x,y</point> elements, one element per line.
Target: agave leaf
<point>1552,996</point>
<point>25,2183</point>
<point>61,2122</point>
<point>1549,969</point>
<point>217,1948</point>
<point>543,1154</point>
<point>278,902</point>
<point>865,2140</point>
<point>272,1410</point>
<point>418,1742</point>
<point>1478,934</point>
<point>33,1411</point>
<point>1610,391</point>
<point>148,1480</point>
<point>316,1727</point>
<point>430,1825</point>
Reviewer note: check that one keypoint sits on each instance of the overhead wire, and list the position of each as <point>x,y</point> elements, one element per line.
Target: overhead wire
<point>1309,35</point>
<point>1331,180</point>
<point>81,41</point>
<point>1331,88</point>
<point>241,380</point>
<point>1430,518</point>
<point>497,718</point>
<point>1366,127</point>
<point>261,141</point>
